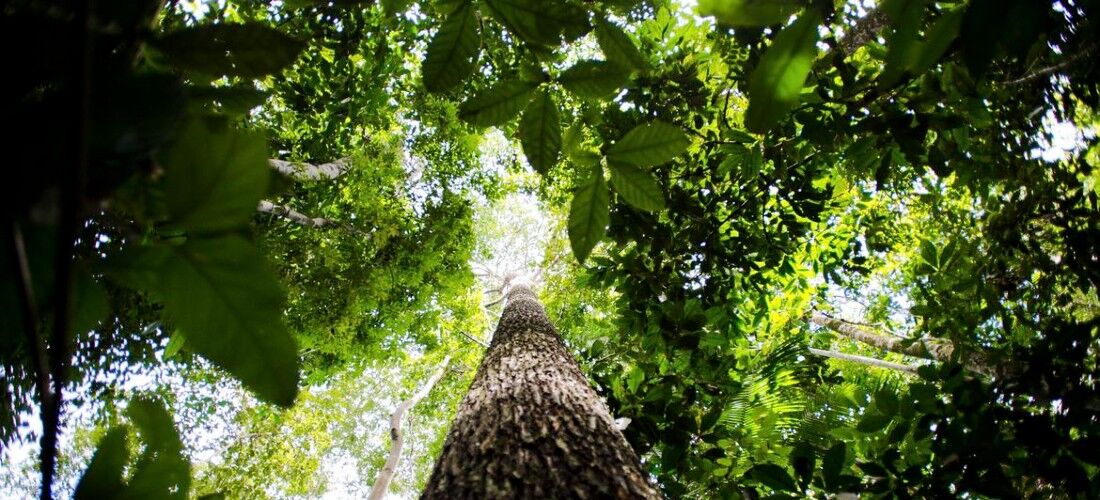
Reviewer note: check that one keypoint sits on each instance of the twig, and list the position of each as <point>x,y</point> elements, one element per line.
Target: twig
<point>1085,52</point>
<point>473,339</point>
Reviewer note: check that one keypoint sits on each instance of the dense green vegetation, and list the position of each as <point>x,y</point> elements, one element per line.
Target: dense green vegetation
<point>271,220</point>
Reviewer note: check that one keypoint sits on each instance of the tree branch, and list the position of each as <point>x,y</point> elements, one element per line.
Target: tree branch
<point>863,360</point>
<point>311,172</point>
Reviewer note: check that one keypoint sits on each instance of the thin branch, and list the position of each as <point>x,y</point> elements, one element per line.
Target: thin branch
<point>397,436</point>
<point>863,360</point>
<point>1070,61</point>
<point>474,339</point>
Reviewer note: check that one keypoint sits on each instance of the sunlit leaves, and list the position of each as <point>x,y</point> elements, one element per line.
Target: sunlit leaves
<point>776,84</point>
<point>648,145</point>
<point>636,186</point>
<point>246,50</point>
<point>498,104</point>
<point>592,79</point>
<point>617,46</point>
<point>229,305</point>
<point>750,12</point>
<point>540,132</point>
<point>588,214</point>
<point>539,22</point>
<point>213,177</point>
<point>452,53</point>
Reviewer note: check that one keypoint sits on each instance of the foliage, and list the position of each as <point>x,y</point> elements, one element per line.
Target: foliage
<point>718,176</point>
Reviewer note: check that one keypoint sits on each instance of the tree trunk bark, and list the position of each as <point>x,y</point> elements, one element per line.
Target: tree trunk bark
<point>531,426</point>
<point>311,172</point>
<point>864,360</point>
<point>398,437</point>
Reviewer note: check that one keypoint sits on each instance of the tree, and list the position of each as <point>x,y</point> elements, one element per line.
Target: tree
<point>530,425</point>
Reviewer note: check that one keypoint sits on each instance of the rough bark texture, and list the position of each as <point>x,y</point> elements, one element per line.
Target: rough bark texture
<point>292,215</point>
<point>307,171</point>
<point>397,436</point>
<point>531,426</point>
<point>864,360</point>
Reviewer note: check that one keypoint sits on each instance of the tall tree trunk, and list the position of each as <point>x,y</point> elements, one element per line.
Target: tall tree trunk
<point>921,348</point>
<point>531,426</point>
<point>397,436</point>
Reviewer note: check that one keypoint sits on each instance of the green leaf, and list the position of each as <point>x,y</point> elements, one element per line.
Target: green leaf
<point>498,104</point>
<point>229,305</point>
<point>452,53</point>
<point>650,144</point>
<point>938,39</point>
<point>175,343</point>
<point>214,177</point>
<point>589,214</point>
<point>750,12</point>
<point>902,45</point>
<point>617,46</point>
<point>539,22</point>
<point>803,458</point>
<point>833,463</point>
<point>540,132</point>
<point>776,83</point>
<point>886,401</point>
<point>103,477</point>
<point>872,422</point>
<point>772,476</point>
<point>162,470</point>
<point>592,79</point>
<point>637,187</point>
<point>246,50</point>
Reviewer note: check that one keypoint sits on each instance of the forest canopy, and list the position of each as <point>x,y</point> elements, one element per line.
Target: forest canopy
<point>795,247</point>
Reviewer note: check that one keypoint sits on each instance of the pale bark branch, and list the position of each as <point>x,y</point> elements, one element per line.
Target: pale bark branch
<point>292,215</point>
<point>311,172</point>
<point>864,360</point>
<point>397,435</point>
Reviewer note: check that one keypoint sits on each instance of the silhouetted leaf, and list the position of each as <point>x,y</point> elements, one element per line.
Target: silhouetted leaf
<point>772,476</point>
<point>833,463</point>
<point>592,79</point>
<point>650,144</point>
<point>750,12</point>
<point>498,104</point>
<point>588,214</point>
<point>540,132</point>
<point>636,186</point>
<point>776,84</point>
<point>214,177</point>
<point>103,477</point>
<point>452,53</point>
<point>246,50</point>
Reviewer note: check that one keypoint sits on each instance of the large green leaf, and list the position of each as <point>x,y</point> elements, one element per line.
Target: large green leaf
<point>776,84</point>
<point>103,477</point>
<point>650,144</point>
<point>229,306</point>
<point>617,46</point>
<point>540,132</point>
<point>750,12</point>
<point>833,463</point>
<point>498,104</point>
<point>592,79</point>
<point>636,186</point>
<point>589,214</point>
<point>772,476</point>
<point>247,50</point>
<point>452,53</point>
<point>537,21</point>
<point>214,177</point>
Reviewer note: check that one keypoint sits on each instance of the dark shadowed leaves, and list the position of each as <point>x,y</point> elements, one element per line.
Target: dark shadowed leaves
<point>750,12</point>
<point>772,476</point>
<point>247,50</point>
<point>592,79</point>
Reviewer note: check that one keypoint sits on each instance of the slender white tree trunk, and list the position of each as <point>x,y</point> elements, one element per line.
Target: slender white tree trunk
<point>864,360</point>
<point>397,436</point>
